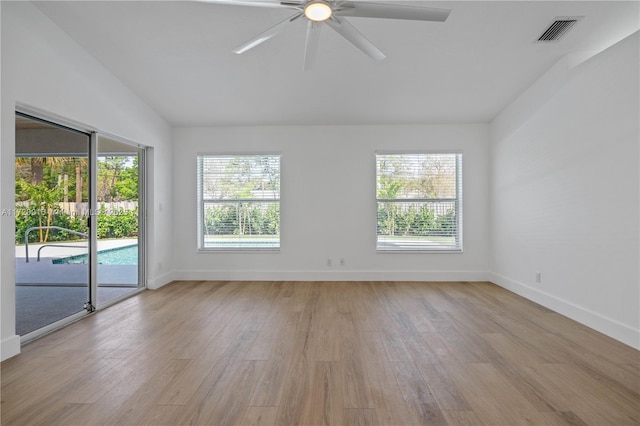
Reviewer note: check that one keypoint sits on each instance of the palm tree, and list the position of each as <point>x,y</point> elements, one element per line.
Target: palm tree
<point>80,163</point>
<point>37,166</point>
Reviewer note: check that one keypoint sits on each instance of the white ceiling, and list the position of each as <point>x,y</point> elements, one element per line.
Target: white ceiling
<point>177,57</point>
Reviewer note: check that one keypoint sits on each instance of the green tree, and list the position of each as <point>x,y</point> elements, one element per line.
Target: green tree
<point>80,170</point>
<point>37,166</point>
<point>272,220</point>
<point>127,185</point>
<point>446,223</point>
<point>109,169</point>
<point>389,186</point>
<point>426,220</point>
<point>43,203</point>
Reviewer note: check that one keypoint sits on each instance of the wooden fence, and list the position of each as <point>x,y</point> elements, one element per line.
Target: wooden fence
<point>82,209</point>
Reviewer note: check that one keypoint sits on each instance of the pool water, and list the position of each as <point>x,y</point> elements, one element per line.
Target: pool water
<point>127,255</point>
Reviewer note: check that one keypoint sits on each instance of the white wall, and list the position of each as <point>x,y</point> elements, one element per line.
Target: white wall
<point>563,179</point>
<point>328,205</point>
<point>43,68</point>
<point>565,192</point>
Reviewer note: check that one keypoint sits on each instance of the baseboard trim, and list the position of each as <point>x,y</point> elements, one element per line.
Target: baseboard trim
<point>612,328</point>
<point>10,347</point>
<point>230,275</point>
<point>159,281</point>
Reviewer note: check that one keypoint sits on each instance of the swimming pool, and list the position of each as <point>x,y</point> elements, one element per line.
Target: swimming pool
<point>127,255</point>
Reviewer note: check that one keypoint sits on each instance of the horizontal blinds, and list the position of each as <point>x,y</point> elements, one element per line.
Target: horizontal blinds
<point>419,201</point>
<point>239,201</point>
<point>234,177</point>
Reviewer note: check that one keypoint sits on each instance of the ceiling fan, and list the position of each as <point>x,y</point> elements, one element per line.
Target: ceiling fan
<point>334,13</point>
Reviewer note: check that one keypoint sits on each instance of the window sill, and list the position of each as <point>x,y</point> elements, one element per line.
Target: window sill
<point>414,251</point>
<point>239,250</point>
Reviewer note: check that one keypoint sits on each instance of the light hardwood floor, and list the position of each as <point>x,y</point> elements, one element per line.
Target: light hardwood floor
<point>312,353</point>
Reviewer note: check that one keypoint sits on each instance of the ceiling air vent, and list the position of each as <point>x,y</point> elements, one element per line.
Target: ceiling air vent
<point>558,29</point>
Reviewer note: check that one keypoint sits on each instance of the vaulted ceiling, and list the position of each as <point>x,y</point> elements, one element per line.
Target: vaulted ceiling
<point>177,57</point>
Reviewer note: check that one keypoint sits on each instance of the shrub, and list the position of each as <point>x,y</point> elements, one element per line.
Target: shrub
<point>119,224</point>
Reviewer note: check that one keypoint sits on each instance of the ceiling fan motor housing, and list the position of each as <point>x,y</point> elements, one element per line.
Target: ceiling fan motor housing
<point>318,11</point>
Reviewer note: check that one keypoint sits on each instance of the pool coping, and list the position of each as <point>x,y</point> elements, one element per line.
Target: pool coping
<point>45,272</point>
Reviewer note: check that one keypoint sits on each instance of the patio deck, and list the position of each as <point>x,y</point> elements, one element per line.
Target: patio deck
<point>48,292</point>
<point>45,272</point>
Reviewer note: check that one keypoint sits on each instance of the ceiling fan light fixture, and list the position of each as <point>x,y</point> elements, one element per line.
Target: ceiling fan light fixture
<point>318,11</point>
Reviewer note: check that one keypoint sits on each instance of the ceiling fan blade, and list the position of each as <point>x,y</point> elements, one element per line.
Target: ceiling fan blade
<point>256,3</point>
<point>262,37</point>
<point>311,46</point>
<point>391,11</point>
<point>348,31</point>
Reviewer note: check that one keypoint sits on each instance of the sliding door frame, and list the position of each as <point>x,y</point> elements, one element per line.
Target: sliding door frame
<point>142,218</point>
<point>93,223</point>
<point>92,305</point>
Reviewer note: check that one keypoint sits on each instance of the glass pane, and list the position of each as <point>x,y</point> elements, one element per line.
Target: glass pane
<point>232,177</point>
<point>416,176</point>
<point>419,201</point>
<point>242,225</point>
<point>118,189</point>
<point>51,190</point>
<point>239,201</point>
<point>417,225</point>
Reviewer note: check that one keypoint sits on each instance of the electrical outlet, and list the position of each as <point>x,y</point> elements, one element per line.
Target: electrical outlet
<point>329,263</point>
<point>342,261</point>
<point>538,277</point>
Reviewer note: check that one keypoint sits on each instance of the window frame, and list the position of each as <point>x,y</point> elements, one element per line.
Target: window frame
<point>458,246</point>
<point>201,202</point>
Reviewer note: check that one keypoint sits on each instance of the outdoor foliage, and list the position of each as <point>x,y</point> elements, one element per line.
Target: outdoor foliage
<point>43,183</point>
<point>117,179</point>
<point>414,221</point>
<point>415,195</point>
<point>257,219</point>
<point>69,174</point>
<point>118,225</point>
<point>42,205</point>
<point>241,195</point>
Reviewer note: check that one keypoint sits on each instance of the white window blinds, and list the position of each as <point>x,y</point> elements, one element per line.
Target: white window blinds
<point>239,202</point>
<point>419,202</point>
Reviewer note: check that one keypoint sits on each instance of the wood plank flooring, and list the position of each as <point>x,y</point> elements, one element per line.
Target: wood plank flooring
<point>323,353</point>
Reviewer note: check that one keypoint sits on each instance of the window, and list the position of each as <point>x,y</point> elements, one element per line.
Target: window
<point>419,198</point>
<point>239,202</point>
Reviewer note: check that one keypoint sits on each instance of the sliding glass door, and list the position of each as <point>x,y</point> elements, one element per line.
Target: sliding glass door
<point>79,227</point>
<point>119,227</point>
<point>52,209</point>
